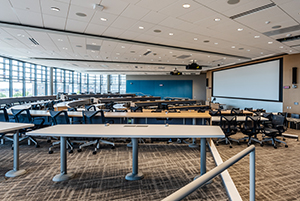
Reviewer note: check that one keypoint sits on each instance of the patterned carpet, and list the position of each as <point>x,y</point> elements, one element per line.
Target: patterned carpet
<point>277,170</point>
<point>101,177</point>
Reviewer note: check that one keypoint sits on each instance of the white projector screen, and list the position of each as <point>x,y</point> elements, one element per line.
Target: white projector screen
<point>257,82</point>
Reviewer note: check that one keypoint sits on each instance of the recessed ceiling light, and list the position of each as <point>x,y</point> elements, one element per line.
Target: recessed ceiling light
<point>103,19</point>
<point>195,38</point>
<point>276,27</point>
<point>240,29</point>
<point>261,53</point>
<point>270,42</point>
<point>232,46</point>
<point>122,46</point>
<point>291,50</point>
<point>141,27</point>
<point>81,14</point>
<point>268,22</point>
<point>217,19</point>
<point>171,52</point>
<point>65,48</point>
<point>281,47</point>
<point>224,58</point>
<point>93,51</point>
<point>256,36</point>
<point>117,53</point>
<point>216,43</point>
<point>186,5</point>
<point>248,50</point>
<point>148,50</point>
<point>55,9</point>
<point>208,56</point>
<point>171,34</point>
<point>60,39</point>
<point>233,1</point>
<point>21,35</point>
<point>94,43</point>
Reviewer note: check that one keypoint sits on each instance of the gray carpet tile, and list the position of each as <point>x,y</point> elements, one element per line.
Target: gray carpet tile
<point>102,176</point>
<point>277,170</point>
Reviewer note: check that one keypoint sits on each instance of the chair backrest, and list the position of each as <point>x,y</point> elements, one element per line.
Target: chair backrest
<point>136,109</point>
<point>215,112</point>
<point>90,108</point>
<point>92,117</point>
<point>278,120</point>
<point>283,114</point>
<point>59,117</point>
<point>228,124</point>
<point>268,116</point>
<point>72,109</point>
<point>110,106</point>
<point>250,109</point>
<point>22,116</point>
<point>236,111</point>
<point>3,115</point>
<point>252,124</point>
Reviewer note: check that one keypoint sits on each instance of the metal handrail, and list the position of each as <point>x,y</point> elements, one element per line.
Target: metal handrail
<point>194,185</point>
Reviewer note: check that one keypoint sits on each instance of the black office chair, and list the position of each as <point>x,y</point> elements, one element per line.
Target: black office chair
<point>110,106</point>
<point>274,130</point>
<point>229,126</point>
<point>236,111</point>
<point>215,112</point>
<point>294,123</point>
<point>250,109</point>
<point>258,112</point>
<point>24,116</point>
<point>60,117</point>
<point>92,117</point>
<point>136,109</point>
<point>3,118</point>
<point>251,128</point>
<point>90,108</point>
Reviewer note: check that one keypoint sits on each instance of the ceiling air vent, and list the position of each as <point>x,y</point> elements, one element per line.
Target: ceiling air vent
<point>283,30</point>
<point>93,47</point>
<point>288,39</point>
<point>34,41</point>
<point>252,11</point>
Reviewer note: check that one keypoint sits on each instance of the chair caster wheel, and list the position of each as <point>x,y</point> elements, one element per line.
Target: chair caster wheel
<point>286,146</point>
<point>217,144</point>
<point>71,151</point>
<point>79,150</point>
<point>230,146</point>
<point>261,145</point>
<point>94,152</point>
<point>275,147</point>
<point>50,152</point>
<point>113,147</point>
<point>283,139</point>
<point>239,143</point>
<point>37,146</point>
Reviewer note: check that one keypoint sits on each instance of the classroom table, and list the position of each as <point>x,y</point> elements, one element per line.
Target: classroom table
<point>169,102</point>
<point>238,118</point>
<point>9,127</point>
<point>133,131</point>
<point>228,112</point>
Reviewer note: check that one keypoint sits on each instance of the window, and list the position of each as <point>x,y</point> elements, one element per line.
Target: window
<point>92,83</point>
<point>41,80</point>
<point>114,83</point>
<point>103,83</point>
<point>122,84</point>
<point>98,83</point>
<point>84,80</point>
<point>77,82</point>
<point>4,79</point>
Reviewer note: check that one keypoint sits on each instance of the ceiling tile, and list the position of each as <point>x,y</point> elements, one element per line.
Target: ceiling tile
<point>28,17</point>
<point>54,22</point>
<point>135,12</point>
<point>114,7</point>
<point>95,29</point>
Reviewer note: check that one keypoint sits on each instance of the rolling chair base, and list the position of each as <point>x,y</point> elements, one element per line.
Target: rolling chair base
<point>274,140</point>
<point>62,177</point>
<point>228,141</point>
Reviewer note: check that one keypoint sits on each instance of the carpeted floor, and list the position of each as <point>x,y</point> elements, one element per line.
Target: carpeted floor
<point>166,169</point>
<point>101,177</point>
<point>277,170</point>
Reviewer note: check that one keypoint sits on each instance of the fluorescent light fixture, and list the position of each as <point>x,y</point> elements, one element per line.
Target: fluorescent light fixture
<point>240,29</point>
<point>103,19</point>
<point>171,34</point>
<point>270,42</point>
<point>256,36</point>
<point>217,19</point>
<point>140,27</point>
<point>55,9</point>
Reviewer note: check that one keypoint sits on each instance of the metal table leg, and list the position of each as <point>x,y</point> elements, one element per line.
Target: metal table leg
<point>16,172</point>
<point>134,175</point>
<point>130,143</point>
<point>63,176</point>
<point>194,144</point>
<point>203,158</point>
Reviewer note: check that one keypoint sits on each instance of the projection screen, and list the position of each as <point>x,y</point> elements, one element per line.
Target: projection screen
<point>260,81</point>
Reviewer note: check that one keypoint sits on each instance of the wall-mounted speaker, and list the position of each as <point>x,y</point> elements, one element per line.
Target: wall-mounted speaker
<point>206,82</point>
<point>294,75</point>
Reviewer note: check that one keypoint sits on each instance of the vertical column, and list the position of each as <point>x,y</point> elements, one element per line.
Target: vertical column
<point>51,81</point>
<point>10,78</point>
<point>108,83</point>
<point>23,81</point>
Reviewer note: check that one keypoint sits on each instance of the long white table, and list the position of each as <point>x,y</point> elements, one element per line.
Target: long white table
<point>238,118</point>
<point>133,131</point>
<point>9,127</point>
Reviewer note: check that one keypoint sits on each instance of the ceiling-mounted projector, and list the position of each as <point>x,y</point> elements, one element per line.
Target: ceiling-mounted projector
<point>175,72</point>
<point>193,66</point>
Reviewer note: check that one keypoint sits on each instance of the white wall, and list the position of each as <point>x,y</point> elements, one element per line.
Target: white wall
<point>199,81</point>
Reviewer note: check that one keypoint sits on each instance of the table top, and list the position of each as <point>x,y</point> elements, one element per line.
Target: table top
<point>226,112</point>
<point>145,103</point>
<point>146,114</point>
<point>130,130</point>
<point>238,118</point>
<point>12,126</point>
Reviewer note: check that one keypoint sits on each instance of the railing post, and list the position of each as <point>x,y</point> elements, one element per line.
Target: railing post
<point>252,175</point>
